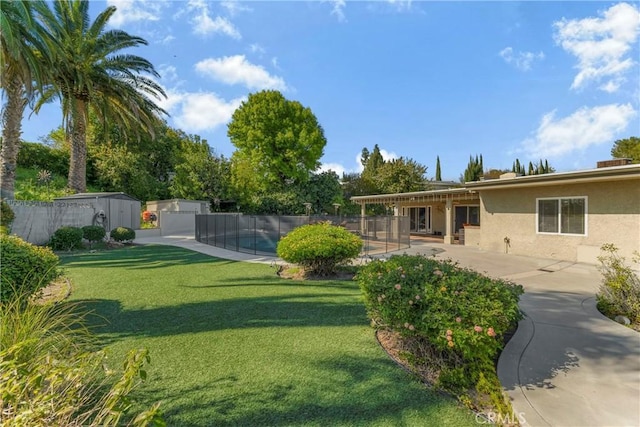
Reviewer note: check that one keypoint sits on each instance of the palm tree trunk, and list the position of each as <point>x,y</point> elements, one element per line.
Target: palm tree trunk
<point>11,131</point>
<point>78,134</point>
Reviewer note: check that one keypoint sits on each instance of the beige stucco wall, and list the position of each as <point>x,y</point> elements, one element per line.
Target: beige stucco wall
<point>177,205</point>
<point>613,216</point>
<point>472,236</point>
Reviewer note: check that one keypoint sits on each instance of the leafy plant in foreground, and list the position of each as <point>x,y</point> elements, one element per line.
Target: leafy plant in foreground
<point>50,375</point>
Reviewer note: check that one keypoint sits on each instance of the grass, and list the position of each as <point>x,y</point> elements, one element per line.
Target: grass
<point>233,344</point>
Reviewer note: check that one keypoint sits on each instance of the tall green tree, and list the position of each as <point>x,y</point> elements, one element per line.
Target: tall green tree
<point>474,170</point>
<point>200,174</point>
<point>627,148</point>
<point>24,64</point>
<point>278,140</point>
<point>374,162</point>
<point>438,171</point>
<point>322,190</point>
<point>91,71</point>
<point>401,176</point>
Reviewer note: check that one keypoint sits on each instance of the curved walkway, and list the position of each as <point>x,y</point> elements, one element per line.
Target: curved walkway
<point>567,365</point>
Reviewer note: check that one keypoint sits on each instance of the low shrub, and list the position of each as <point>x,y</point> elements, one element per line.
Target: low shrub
<point>619,293</point>
<point>319,248</point>
<point>93,233</point>
<point>458,314</point>
<point>26,268</point>
<point>66,239</point>
<point>6,215</point>
<point>50,375</point>
<point>123,234</point>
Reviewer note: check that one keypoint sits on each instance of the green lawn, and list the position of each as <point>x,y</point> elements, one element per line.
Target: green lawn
<point>234,345</point>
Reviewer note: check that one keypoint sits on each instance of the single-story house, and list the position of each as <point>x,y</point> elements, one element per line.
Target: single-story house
<point>566,215</point>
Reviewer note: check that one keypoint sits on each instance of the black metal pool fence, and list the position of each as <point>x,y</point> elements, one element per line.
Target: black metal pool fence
<point>259,234</point>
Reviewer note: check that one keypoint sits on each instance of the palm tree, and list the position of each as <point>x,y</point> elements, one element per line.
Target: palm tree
<point>90,72</point>
<point>23,65</point>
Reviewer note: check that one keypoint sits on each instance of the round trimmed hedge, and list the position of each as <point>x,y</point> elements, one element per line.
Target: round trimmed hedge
<point>123,234</point>
<point>93,233</point>
<point>319,248</point>
<point>26,268</point>
<point>66,239</point>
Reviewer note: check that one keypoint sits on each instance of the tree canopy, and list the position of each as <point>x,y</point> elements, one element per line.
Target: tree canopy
<point>627,148</point>
<point>23,67</point>
<point>278,141</point>
<point>90,71</point>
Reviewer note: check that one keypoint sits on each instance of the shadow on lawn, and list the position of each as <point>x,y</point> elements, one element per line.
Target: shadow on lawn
<point>344,390</point>
<point>140,257</point>
<point>108,317</point>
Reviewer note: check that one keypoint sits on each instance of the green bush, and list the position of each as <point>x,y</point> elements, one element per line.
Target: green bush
<point>93,233</point>
<point>50,375</point>
<point>459,313</point>
<point>619,292</point>
<point>6,214</point>
<point>39,156</point>
<point>123,234</point>
<point>26,268</point>
<point>66,239</point>
<point>319,248</point>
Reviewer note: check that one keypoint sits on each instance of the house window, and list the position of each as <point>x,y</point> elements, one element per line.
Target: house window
<point>567,215</point>
<point>466,215</point>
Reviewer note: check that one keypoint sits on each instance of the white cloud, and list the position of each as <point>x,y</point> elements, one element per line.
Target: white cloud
<point>336,167</point>
<point>198,111</point>
<point>167,39</point>
<point>338,9</point>
<point>520,60</point>
<point>256,48</point>
<point>133,11</point>
<point>168,73</point>
<point>237,70</point>
<point>600,45</point>
<point>234,7</point>
<point>582,129</point>
<point>401,5</point>
<point>386,156</point>
<point>204,25</point>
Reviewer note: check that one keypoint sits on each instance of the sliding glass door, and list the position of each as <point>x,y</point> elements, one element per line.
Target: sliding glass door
<point>420,219</point>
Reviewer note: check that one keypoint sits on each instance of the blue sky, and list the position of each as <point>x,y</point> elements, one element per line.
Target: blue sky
<point>554,80</point>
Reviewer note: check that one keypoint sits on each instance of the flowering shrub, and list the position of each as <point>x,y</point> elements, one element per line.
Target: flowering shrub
<point>458,312</point>
<point>148,216</point>
<point>619,293</point>
<point>319,248</point>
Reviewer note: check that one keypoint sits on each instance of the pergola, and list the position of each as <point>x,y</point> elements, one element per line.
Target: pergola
<point>448,197</point>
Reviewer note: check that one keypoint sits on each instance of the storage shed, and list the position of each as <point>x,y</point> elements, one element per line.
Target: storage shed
<point>112,209</point>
